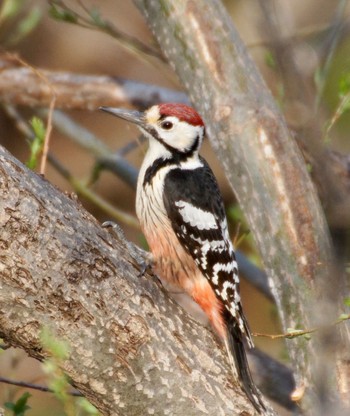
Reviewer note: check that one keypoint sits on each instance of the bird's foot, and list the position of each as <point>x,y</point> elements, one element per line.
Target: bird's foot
<point>142,258</point>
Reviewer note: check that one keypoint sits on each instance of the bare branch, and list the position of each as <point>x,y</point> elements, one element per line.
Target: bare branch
<point>293,333</point>
<point>33,386</point>
<point>20,85</point>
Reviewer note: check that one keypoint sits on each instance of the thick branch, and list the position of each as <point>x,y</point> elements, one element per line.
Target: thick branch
<point>132,350</point>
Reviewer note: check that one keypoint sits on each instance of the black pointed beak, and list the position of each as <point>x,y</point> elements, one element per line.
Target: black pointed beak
<point>136,117</point>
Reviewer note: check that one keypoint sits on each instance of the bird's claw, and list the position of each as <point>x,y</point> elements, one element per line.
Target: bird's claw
<point>145,265</point>
<point>143,261</point>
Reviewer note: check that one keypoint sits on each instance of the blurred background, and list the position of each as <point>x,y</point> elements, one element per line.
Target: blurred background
<point>302,50</point>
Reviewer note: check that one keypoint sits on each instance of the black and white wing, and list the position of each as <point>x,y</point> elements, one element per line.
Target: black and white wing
<point>195,207</point>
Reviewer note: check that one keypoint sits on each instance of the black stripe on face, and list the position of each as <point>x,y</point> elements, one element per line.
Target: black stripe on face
<point>173,150</point>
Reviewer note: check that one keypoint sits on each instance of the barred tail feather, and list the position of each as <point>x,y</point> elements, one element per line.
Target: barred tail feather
<point>239,364</point>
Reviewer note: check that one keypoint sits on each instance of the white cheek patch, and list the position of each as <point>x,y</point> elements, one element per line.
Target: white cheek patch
<point>152,115</point>
<point>181,136</point>
<point>196,217</point>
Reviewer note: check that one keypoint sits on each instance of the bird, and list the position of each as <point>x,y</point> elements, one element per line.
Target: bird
<point>182,215</point>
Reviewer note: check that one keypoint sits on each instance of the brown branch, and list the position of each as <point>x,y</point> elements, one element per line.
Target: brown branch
<point>61,270</point>
<point>22,86</point>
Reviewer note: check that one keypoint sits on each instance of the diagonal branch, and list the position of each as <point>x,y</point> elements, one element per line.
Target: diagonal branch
<point>128,352</point>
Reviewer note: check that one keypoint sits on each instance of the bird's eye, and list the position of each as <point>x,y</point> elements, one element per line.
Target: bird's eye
<point>166,125</point>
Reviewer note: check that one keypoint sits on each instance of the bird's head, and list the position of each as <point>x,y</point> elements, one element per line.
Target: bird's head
<point>178,127</point>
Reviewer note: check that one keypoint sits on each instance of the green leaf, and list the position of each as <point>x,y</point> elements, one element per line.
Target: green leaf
<point>293,331</point>
<point>270,60</point>
<point>9,9</point>
<point>344,84</point>
<point>346,103</point>
<point>36,145</point>
<point>59,385</point>
<point>20,407</point>
<point>96,17</point>
<point>57,348</point>
<point>235,213</point>
<point>319,78</point>
<point>26,25</point>
<point>64,15</point>
<point>38,127</point>
<point>87,407</point>
<point>347,301</point>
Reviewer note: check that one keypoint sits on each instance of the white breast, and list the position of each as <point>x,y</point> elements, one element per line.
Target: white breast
<point>149,198</point>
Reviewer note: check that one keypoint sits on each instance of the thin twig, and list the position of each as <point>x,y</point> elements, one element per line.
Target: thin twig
<point>48,129</point>
<point>47,135</point>
<point>301,34</point>
<point>94,21</point>
<point>125,150</point>
<point>35,386</point>
<point>341,107</point>
<point>334,37</point>
<point>236,237</point>
<point>300,332</point>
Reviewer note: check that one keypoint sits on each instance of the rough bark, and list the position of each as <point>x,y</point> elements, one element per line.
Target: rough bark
<point>132,350</point>
<point>262,163</point>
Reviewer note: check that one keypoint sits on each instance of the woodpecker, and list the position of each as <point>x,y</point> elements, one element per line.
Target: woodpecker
<point>182,216</point>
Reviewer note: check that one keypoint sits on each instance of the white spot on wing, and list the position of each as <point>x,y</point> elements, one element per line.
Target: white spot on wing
<point>226,285</point>
<point>223,226</point>
<point>218,267</point>
<point>196,217</point>
<point>206,245</point>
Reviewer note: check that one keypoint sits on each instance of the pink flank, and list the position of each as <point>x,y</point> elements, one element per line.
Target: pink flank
<point>175,266</point>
